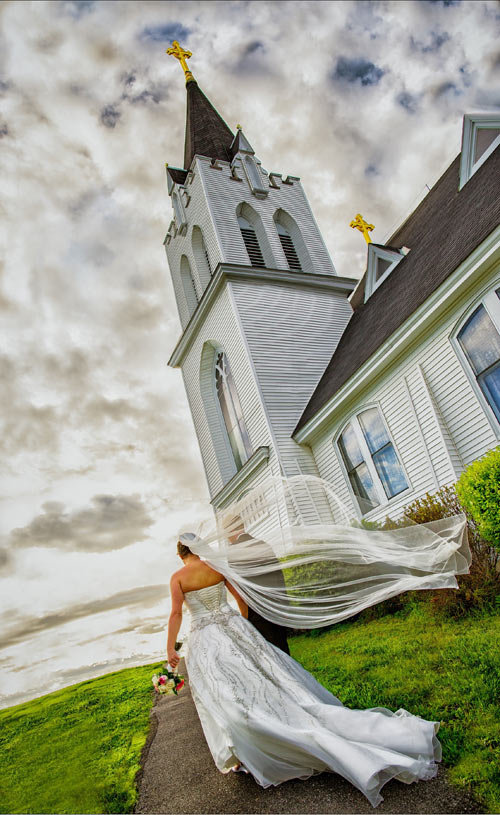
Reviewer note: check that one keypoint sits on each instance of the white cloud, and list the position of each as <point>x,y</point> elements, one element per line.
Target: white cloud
<point>362,100</point>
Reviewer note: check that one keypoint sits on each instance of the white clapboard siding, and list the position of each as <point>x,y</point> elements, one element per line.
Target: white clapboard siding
<point>224,195</point>
<point>291,334</point>
<point>221,328</point>
<point>197,214</point>
<point>446,430</point>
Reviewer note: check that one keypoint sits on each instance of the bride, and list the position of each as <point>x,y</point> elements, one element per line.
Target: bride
<point>260,710</point>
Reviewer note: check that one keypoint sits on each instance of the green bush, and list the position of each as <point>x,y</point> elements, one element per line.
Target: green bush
<point>478,489</point>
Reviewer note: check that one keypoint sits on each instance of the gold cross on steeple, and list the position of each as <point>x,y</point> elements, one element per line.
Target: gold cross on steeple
<point>363,226</point>
<point>182,55</point>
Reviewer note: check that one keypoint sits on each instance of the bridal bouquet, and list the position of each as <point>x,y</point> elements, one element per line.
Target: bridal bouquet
<point>168,682</point>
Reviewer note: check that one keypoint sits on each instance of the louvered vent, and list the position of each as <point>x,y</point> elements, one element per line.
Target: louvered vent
<point>290,253</point>
<point>252,247</point>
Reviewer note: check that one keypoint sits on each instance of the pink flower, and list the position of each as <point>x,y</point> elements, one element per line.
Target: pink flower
<point>162,679</point>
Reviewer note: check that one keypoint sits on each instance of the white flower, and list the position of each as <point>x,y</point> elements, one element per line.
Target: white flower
<point>170,684</point>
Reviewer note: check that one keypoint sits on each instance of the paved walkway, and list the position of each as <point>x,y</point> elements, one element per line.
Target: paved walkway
<point>179,776</point>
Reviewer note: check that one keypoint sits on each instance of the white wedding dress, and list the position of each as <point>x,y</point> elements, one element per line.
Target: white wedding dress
<point>259,707</point>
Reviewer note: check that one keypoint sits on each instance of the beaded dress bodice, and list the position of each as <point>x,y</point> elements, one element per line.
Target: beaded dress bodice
<point>208,605</point>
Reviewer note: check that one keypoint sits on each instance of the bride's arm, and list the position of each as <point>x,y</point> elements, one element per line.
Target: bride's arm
<point>239,599</point>
<point>174,621</point>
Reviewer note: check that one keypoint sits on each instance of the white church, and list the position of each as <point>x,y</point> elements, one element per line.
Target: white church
<point>388,386</point>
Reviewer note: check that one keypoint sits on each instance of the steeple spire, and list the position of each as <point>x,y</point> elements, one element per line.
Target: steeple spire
<point>207,134</point>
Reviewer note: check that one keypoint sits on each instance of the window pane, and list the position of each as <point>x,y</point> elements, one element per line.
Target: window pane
<point>480,340</point>
<point>363,488</point>
<point>373,429</point>
<point>390,471</point>
<point>490,385</point>
<point>484,137</point>
<point>350,448</point>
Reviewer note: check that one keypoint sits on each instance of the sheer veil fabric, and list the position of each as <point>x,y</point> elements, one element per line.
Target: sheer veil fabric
<point>293,551</point>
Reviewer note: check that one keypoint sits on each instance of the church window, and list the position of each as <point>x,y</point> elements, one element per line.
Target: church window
<point>481,136</point>
<point>479,343</point>
<point>370,459</point>
<point>231,410</point>
<point>251,242</point>
<point>201,256</point>
<point>288,248</point>
<point>381,262</point>
<point>188,285</point>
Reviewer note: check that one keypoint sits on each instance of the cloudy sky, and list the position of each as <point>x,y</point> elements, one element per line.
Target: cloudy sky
<point>100,464</point>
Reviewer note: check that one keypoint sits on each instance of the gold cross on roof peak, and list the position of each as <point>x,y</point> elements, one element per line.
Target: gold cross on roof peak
<point>182,55</point>
<point>364,227</point>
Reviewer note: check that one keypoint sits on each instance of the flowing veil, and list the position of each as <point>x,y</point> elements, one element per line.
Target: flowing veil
<point>293,551</point>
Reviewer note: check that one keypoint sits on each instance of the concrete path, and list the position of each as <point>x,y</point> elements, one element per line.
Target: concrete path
<point>179,776</point>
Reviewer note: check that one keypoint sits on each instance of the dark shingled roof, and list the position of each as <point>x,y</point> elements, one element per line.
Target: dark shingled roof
<point>441,233</point>
<point>207,134</point>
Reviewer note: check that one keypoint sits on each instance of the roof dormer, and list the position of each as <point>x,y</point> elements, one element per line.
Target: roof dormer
<point>381,261</point>
<point>480,137</point>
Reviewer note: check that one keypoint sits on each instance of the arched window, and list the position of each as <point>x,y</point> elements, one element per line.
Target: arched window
<point>479,342</point>
<point>370,459</point>
<point>188,285</point>
<point>231,411</point>
<point>251,242</point>
<point>288,248</point>
<point>201,256</point>
<point>292,242</point>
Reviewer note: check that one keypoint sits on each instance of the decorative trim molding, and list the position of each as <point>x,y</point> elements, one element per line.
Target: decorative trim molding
<point>250,466</point>
<point>472,122</point>
<point>485,254</point>
<point>226,271</point>
<point>374,253</point>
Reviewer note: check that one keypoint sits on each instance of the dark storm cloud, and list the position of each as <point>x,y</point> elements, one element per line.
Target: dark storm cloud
<point>357,69</point>
<point>165,33</point>
<point>252,60</point>
<point>110,522</point>
<point>28,627</point>
<point>445,88</point>
<point>434,42</point>
<point>371,170</point>
<point>445,3</point>
<point>110,116</point>
<point>408,101</point>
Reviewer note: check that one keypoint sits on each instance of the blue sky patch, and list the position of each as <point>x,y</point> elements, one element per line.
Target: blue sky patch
<point>350,70</point>
<point>168,32</point>
<point>407,101</point>
<point>110,116</point>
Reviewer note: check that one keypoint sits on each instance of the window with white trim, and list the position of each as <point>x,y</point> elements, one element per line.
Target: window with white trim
<point>232,414</point>
<point>288,247</point>
<point>188,285</point>
<point>479,342</point>
<point>381,262</point>
<point>251,243</point>
<point>372,465</point>
<point>481,136</point>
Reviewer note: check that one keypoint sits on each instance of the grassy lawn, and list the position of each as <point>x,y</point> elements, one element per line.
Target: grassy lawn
<point>77,749</point>
<point>439,669</point>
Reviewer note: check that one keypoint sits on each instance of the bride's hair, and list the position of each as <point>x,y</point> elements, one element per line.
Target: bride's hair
<point>183,550</point>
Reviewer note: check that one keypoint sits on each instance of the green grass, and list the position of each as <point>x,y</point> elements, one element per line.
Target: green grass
<point>439,669</point>
<point>77,749</point>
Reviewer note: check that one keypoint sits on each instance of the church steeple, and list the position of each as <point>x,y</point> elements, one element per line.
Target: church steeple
<point>207,134</point>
